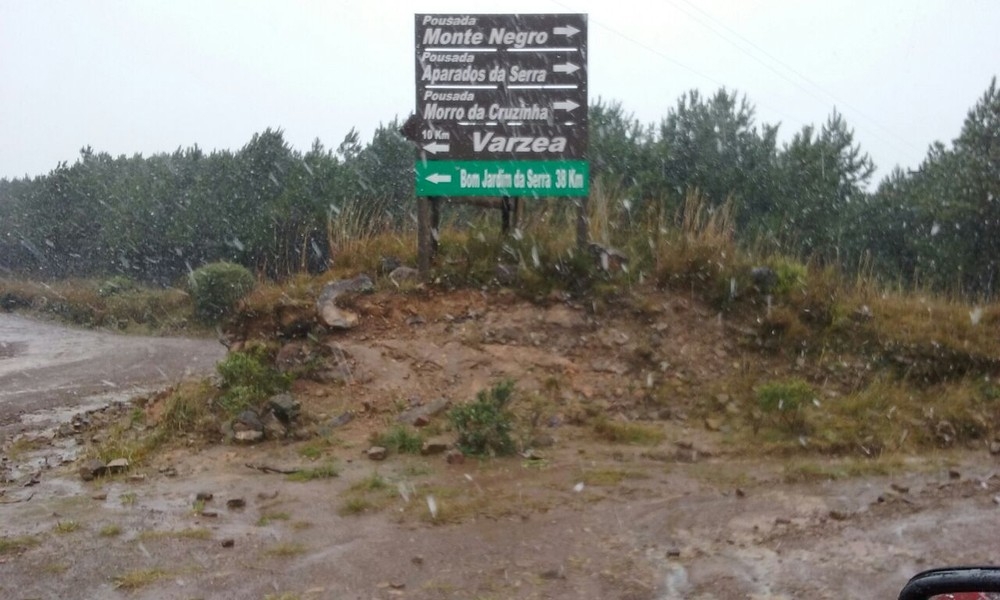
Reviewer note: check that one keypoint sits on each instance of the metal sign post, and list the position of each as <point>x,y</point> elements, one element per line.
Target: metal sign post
<point>501,109</point>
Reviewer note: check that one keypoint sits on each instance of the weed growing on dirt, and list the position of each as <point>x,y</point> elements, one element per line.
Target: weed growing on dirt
<point>401,440</point>
<point>620,432</point>
<point>355,506</point>
<point>187,408</point>
<point>63,527</point>
<point>369,494</point>
<point>484,426</point>
<point>22,445</point>
<point>270,517</point>
<point>128,498</point>
<point>781,404</point>
<point>110,530</point>
<point>55,568</point>
<point>372,483</point>
<point>805,471</point>
<point>248,379</point>
<point>324,471</point>
<point>133,580</point>
<point>195,533</point>
<point>16,545</point>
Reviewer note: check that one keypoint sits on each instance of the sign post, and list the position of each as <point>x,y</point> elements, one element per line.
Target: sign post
<point>501,108</point>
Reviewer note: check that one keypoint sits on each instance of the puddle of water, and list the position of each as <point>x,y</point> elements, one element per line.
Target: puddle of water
<point>52,447</point>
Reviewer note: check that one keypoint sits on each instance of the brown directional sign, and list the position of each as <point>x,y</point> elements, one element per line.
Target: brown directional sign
<point>501,87</point>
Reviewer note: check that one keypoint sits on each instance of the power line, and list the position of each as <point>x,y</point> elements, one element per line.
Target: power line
<point>672,60</point>
<point>907,145</point>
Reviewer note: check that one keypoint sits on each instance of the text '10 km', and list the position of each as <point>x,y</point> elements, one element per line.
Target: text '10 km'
<point>493,90</point>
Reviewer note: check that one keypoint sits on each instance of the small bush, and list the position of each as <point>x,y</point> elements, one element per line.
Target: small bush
<point>401,439</point>
<point>217,287</point>
<point>783,402</point>
<point>790,277</point>
<point>618,432</point>
<point>324,471</point>
<point>248,379</point>
<point>484,426</point>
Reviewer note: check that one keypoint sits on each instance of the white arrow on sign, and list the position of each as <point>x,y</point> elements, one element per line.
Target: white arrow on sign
<point>566,105</point>
<point>439,178</point>
<point>435,147</point>
<point>568,68</point>
<point>568,31</point>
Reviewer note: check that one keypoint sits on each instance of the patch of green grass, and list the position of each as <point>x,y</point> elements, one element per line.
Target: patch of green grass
<point>317,447</point>
<point>196,533</point>
<point>782,404</point>
<point>620,432</point>
<point>133,580</point>
<point>355,506</point>
<point>324,471</point>
<point>21,446</point>
<point>401,440</point>
<point>372,483</point>
<point>187,409</point>
<point>16,545</point>
<point>286,550</point>
<point>812,471</point>
<point>110,530</point>
<point>56,568</point>
<point>128,498</point>
<point>248,379</point>
<point>268,518</point>
<point>63,527</point>
<point>369,494</point>
<point>416,469</point>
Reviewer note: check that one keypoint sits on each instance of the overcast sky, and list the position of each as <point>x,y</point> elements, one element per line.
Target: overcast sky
<point>151,76</point>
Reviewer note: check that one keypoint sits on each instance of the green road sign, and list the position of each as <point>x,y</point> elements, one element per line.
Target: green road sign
<point>503,178</point>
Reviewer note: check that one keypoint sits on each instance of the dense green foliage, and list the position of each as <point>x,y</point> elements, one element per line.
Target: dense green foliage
<point>248,379</point>
<point>265,206</point>
<point>484,425</point>
<point>217,287</point>
<point>278,211</point>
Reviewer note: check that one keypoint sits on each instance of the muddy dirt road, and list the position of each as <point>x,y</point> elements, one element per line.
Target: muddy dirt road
<point>687,517</point>
<point>47,370</point>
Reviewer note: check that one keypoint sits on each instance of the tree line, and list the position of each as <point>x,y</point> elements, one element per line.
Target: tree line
<point>279,211</point>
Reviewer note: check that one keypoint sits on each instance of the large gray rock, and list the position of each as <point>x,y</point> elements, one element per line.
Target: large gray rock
<point>334,316</point>
<point>401,275</point>
<point>247,427</point>
<point>285,407</point>
<point>361,283</point>
<point>92,468</point>
<point>274,428</point>
<point>424,412</point>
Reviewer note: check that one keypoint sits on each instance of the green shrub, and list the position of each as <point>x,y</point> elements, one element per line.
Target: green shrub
<point>217,287</point>
<point>249,378</point>
<point>783,401</point>
<point>790,276</point>
<point>484,426</point>
<point>401,439</point>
